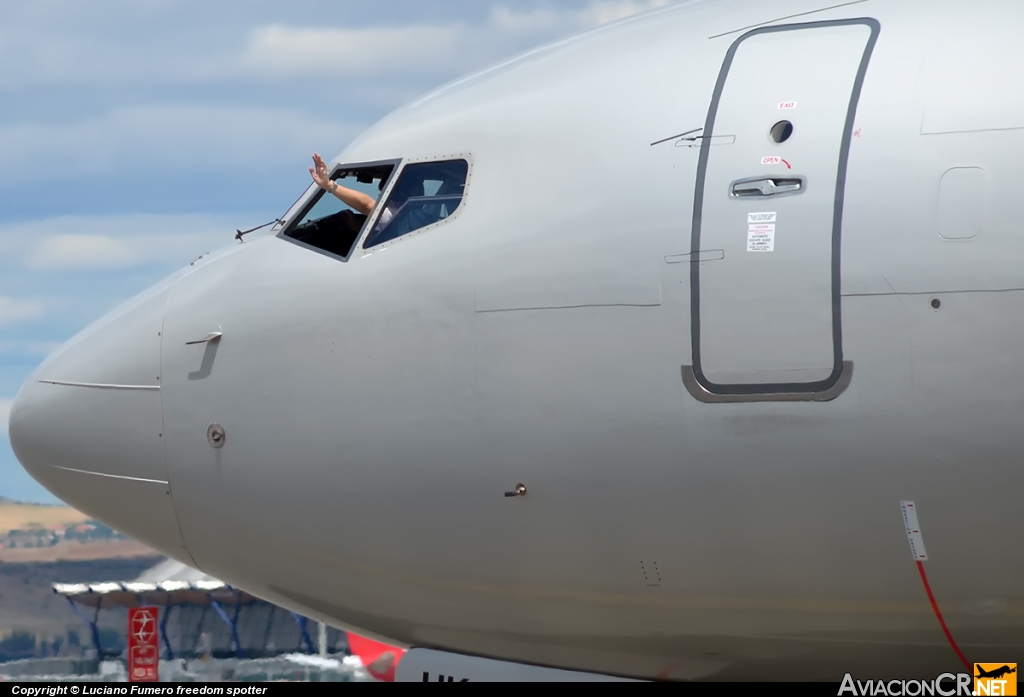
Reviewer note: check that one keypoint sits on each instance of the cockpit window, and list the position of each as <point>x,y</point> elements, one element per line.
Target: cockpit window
<point>330,225</point>
<point>425,193</point>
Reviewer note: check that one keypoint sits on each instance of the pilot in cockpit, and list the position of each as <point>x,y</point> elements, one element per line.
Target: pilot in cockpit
<point>423,194</point>
<point>357,200</point>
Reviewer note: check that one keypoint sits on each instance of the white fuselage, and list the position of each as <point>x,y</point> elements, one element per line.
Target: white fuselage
<point>376,409</point>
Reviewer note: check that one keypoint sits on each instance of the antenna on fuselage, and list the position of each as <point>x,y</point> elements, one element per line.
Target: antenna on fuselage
<point>665,140</point>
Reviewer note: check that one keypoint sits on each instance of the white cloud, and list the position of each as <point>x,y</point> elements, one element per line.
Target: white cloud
<point>82,252</point>
<point>114,241</point>
<point>282,50</point>
<point>136,139</point>
<point>514,19</point>
<point>109,43</point>
<point>605,11</point>
<point>366,69</point>
<point>5,415</point>
<point>30,348</point>
<point>162,43</point>
<point>13,310</point>
<point>593,14</point>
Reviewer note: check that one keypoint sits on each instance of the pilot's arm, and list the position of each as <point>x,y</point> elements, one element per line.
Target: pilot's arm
<point>357,200</point>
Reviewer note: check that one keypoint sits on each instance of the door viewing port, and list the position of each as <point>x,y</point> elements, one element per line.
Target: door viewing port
<point>782,131</point>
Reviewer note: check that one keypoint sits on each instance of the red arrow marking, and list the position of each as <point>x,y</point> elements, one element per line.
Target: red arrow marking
<point>788,166</point>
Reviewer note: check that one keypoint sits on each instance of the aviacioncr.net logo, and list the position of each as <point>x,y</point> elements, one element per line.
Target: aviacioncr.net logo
<point>946,685</point>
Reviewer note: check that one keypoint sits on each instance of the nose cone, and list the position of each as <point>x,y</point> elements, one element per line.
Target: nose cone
<point>88,425</point>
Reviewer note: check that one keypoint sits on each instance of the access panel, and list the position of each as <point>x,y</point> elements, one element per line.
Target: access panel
<point>766,320</point>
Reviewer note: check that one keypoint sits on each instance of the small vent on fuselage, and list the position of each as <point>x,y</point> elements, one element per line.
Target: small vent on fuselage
<point>651,572</point>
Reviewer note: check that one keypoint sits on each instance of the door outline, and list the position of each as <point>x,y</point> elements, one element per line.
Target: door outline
<point>823,390</point>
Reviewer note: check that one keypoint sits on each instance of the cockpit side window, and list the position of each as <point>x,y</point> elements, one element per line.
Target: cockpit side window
<point>425,193</point>
<point>328,224</point>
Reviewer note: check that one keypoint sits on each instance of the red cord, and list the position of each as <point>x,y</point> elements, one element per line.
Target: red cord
<point>935,606</point>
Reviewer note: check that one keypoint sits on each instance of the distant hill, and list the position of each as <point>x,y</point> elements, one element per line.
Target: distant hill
<point>33,533</point>
<point>97,550</point>
<point>26,516</point>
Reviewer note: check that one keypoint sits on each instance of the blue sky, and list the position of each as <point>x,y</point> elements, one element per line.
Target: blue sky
<point>136,135</point>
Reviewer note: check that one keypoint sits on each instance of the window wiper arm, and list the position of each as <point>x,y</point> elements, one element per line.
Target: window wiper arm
<point>239,234</point>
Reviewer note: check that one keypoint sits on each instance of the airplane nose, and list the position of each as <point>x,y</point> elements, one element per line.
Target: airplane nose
<point>88,425</point>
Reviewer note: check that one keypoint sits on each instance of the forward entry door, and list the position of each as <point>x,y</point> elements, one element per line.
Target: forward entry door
<point>766,320</point>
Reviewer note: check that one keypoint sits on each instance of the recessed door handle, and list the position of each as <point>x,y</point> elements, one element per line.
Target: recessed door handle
<point>213,336</point>
<point>769,186</point>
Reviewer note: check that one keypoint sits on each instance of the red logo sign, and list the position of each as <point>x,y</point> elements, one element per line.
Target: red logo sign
<point>143,645</point>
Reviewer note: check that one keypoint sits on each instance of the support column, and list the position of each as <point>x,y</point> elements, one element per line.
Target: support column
<point>304,628</point>
<point>93,630</point>
<point>232,623</point>
<point>163,629</point>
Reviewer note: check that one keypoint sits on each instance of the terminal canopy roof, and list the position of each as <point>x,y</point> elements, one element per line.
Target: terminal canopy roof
<point>169,583</point>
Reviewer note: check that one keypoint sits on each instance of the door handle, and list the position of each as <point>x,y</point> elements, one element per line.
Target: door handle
<point>767,186</point>
<point>213,336</point>
<point>520,491</point>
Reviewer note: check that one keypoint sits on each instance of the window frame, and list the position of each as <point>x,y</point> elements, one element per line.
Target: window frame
<point>301,208</point>
<point>371,223</point>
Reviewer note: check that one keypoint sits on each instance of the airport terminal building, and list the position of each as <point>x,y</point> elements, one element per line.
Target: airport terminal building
<point>207,631</point>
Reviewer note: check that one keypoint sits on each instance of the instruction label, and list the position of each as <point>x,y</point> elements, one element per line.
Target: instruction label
<point>754,218</point>
<point>787,105</point>
<point>771,160</point>
<point>913,531</point>
<point>761,237</point>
